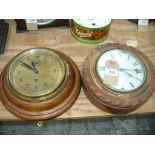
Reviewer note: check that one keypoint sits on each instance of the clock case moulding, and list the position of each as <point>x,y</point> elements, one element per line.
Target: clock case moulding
<point>64,98</point>
<point>111,101</point>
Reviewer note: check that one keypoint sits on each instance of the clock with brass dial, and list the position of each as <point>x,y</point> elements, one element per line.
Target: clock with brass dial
<point>39,83</point>
<point>118,78</point>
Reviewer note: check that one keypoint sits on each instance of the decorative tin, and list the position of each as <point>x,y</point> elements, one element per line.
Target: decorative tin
<point>90,31</point>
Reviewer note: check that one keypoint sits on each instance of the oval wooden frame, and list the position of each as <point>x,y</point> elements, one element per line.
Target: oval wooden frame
<point>111,101</point>
<point>50,108</point>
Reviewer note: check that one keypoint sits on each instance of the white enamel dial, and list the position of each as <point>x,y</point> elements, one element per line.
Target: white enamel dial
<point>93,23</point>
<point>130,74</point>
<point>45,21</point>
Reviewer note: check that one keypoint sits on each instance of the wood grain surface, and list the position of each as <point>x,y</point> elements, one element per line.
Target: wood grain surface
<point>121,31</point>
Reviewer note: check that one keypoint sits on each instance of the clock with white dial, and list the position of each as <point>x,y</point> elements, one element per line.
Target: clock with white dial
<point>44,21</point>
<point>118,78</point>
<point>93,23</point>
<point>131,71</point>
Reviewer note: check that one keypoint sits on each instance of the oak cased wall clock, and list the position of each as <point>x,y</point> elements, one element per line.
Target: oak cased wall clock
<point>42,23</point>
<point>118,78</point>
<point>39,84</point>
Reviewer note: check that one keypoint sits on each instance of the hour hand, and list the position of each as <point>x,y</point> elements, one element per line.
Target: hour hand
<point>130,75</point>
<point>29,67</point>
<point>33,64</point>
<point>123,69</point>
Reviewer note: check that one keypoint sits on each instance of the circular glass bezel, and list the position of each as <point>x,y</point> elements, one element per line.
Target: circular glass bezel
<point>108,87</point>
<point>30,52</point>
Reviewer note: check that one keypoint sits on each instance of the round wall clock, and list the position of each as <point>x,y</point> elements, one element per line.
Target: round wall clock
<point>118,78</point>
<point>91,30</point>
<point>41,22</point>
<point>21,24</point>
<point>39,84</point>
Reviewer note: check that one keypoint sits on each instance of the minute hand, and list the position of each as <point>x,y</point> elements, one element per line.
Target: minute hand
<point>130,75</point>
<point>123,69</point>
<point>136,70</point>
<point>29,67</point>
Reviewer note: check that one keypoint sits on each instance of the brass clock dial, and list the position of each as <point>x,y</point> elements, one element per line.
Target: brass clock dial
<point>39,83</point>
<point>118,78</point>
<point>37,73</point>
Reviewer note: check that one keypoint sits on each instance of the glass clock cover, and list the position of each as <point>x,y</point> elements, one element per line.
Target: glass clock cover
<point>120,70</point>
<point>36,73</point>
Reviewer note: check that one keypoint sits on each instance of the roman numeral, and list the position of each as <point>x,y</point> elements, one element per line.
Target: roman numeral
<point>45,85</point>
<point>120,54</point>
<point>26,85</point>
<point>131,84</point>
<point>128,57</point>
<point>20,80</point>
<point>36,88</point>
<point>136,63</point>
<point>102,68</point>
<point>138,71</point>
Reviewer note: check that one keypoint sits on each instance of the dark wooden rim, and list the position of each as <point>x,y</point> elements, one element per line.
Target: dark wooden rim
<point>106,99</point>
<point>51,108</point>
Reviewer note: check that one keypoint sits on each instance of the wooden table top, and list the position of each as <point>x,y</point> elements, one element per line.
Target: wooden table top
<point>121,31</point>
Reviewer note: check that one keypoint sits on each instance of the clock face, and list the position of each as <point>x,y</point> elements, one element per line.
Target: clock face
<point>36,72</point>
<point>93,23</point>
<point>120,70</point>
<point>45,21</point>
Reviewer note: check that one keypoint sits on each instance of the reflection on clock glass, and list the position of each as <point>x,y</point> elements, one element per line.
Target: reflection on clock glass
<point>120,70</point>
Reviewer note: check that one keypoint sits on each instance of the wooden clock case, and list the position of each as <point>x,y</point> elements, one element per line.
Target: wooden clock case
<point>52,107</point>
<point>111,101</point>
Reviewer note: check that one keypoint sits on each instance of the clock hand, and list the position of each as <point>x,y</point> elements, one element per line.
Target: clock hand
<point>33,64</point>
<point>123,69</point>
<point>136,70</point>
<point>30,67</point>
<point>130,75</point>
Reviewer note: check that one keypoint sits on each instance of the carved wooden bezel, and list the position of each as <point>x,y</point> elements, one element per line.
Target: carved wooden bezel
<point>111,101</point>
